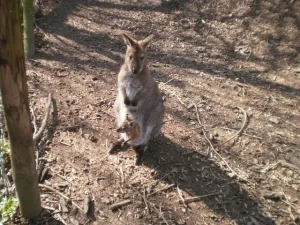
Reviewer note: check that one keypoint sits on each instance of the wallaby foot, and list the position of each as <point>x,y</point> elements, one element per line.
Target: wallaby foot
<point>116,146</point>
<point>139,160</point>
<point>140,151</point>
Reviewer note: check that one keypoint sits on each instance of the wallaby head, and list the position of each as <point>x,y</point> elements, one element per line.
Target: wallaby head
<point>135,58</point>
<point>128,126</point>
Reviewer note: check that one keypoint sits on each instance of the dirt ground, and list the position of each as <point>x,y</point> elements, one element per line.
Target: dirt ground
<point>237,61</point>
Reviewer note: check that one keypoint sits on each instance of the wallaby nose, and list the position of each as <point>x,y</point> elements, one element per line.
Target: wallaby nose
<point>135,70</point>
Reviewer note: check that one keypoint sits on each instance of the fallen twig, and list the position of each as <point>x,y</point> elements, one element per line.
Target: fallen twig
<point>61,194</point>
<point>179,99</point>
<point>169,81</point>
<point>62,220</point>
<point>289,165</point>
<point>64,143</point>
<point>160,190</point>
<point>34,119</point>
<point>268,167</point>
<point>292,124</point>
<point>212,147</point>
<point>35,129</point>
<point>122,174</point>
<point>62,177</point>
<point>49,208</point>
<point>37,135</point>
<point>53,190</point>
<point>283,163</point>
<point>243,133</point>
<point>104,157</point>
<point>145,201</point>
<point>254,221</point>
<point>158,212</point>
<point>119,204</point>
<point>242,128</point>
<point>196,198</point>
<point>42,31</point>
<point>153,206</point>
<point>181,197</point>
<point>164,176</point>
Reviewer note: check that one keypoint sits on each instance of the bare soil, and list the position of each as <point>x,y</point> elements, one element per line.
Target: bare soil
<point>228,57</point>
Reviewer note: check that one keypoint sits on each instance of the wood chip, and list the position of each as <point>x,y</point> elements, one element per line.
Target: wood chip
<point>86,204</point>
<point>119,204</point>
<point>63,205</point>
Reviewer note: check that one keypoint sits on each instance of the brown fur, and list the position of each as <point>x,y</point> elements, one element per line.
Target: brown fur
<point>130,127</point>
<point>138,93</point>
<point>135,65</point>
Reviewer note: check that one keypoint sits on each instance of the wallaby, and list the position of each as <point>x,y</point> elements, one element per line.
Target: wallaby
<point>138,94</point>
<point>130,129</point>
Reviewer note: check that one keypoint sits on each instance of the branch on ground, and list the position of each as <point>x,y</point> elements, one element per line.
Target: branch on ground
<point>38,133</point>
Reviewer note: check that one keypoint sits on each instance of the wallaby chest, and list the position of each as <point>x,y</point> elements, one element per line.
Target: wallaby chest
<point>132,86</point>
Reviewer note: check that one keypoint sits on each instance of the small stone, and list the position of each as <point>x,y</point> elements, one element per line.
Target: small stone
<point>181,222</point>
<point>139,215</point>
<point>208,108</point>
<point>190,106</point>
<point>93,138</point>
<point>86,136</point>
<point>274,119</point>
<point>105,200</point>
<point>74,221</point>
<point>185,137</point>
<point>110,104</point>
<point>86,204</point>
<point>274,196</point>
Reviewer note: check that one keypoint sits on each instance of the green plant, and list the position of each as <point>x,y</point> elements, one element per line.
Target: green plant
<point>8,208</point>
<point>4,151</point>
<point>4,147</point>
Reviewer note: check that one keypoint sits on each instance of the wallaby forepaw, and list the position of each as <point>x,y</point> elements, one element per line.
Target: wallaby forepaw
<point>134,103</point>
<point>127,101</point>
<point>115,147</point>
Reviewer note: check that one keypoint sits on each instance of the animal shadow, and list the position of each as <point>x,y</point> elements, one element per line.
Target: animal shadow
<point>197,175</point>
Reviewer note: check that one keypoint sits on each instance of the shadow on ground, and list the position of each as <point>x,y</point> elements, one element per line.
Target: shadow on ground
<point>45,217</point>
<point>197,175</point>
<point>224,60</point>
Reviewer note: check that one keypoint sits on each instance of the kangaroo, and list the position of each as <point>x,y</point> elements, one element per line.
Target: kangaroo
<point>138,94</point>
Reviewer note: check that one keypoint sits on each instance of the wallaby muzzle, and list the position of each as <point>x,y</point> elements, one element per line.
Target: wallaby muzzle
<point>120,129</point>
<point>136,67</point>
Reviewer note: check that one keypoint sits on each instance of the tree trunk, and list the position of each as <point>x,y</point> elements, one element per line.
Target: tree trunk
<point>14,93</point>
<point>28,23</point>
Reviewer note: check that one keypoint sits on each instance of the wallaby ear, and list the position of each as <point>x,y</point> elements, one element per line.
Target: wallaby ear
<point>128,40</point>
<point>144,43</point>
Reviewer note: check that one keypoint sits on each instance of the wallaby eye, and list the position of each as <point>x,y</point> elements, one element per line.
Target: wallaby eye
<point>142,57</point>
<point>130,57</point>
<point>131,124</point>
